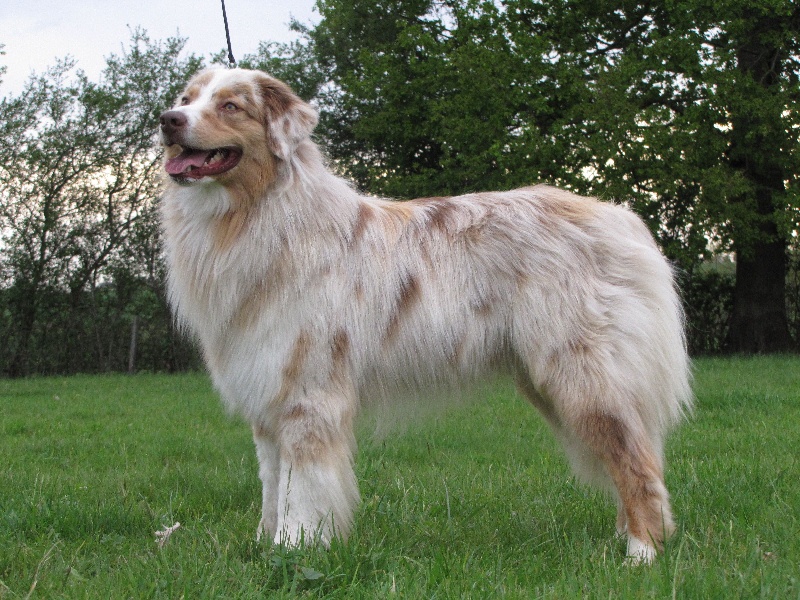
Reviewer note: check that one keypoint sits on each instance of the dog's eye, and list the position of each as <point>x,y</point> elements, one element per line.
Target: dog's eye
<point>230,107</point>
<point>184,101</point>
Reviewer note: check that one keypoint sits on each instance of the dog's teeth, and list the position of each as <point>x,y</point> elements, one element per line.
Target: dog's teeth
<point>217,155</point>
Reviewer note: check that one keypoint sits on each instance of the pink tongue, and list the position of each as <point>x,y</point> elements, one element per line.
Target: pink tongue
<point>186,159</point>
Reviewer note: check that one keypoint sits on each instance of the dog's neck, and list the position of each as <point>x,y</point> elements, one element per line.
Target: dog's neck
<point>217,246</point>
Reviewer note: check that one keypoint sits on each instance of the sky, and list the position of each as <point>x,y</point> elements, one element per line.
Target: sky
<point>37,32</point>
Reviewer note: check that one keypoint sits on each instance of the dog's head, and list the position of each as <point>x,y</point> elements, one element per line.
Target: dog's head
<point>233,125</point>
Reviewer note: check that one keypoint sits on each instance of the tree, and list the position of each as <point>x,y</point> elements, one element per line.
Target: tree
<point>78,180</point>
<point>407,117</point>
<point>3,68</point>
<point>686,110</point>
<point>294,63</point>
<point>763,148</point>
<point>700,123</point>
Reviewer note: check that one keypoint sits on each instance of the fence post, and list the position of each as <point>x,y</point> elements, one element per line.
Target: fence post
<point>132,349</point>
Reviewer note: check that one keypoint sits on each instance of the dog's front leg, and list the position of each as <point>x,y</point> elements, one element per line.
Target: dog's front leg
<point>317,489</point>
<point>268,469</point>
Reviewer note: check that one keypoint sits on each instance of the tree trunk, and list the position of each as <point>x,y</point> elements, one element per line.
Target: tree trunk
<point>759,322</point>
<point>23,308</point>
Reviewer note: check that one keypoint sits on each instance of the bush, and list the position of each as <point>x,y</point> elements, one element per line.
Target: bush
<point>90,332</point>
<point>708,301</point>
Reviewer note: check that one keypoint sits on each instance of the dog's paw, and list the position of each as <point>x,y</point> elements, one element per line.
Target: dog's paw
<point>264,530</point>
<point>639,552</point>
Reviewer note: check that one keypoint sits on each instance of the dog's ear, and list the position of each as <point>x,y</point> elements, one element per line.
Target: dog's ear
<point>291,128</point>
<point>287,119</point>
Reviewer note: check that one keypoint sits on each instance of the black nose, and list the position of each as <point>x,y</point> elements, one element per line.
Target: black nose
<point>172,122</point>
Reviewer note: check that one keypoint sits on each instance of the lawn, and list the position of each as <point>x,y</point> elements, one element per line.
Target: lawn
<point>474,503</point>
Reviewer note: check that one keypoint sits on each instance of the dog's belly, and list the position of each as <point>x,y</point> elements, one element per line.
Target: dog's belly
<point>361,350</point>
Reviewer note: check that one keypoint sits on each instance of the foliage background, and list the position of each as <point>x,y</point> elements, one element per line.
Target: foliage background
<point>685,110</point>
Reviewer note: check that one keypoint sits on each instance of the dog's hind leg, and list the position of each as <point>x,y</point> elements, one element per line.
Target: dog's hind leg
<point>633,463</point>
<point>614,435</point>
<point>609,446</point>
<point>541,403</point>
<point>317,489</point>
<point>586,465</point>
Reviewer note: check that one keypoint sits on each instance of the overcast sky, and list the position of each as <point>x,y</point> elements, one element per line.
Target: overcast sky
<point>37,32</point>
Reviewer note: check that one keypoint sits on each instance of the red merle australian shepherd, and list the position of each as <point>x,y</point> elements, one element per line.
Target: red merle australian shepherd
<point>309,299</point>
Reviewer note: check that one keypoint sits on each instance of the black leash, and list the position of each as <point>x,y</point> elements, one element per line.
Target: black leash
<point>231,60</point>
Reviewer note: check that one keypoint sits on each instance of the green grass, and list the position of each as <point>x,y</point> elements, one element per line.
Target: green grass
<point>477,503</point>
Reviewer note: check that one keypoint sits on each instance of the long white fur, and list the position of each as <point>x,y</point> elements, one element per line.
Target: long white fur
<point>327,299</point>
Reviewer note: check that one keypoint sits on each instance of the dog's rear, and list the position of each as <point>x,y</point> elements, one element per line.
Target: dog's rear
<point>308,298</point>
<point>606,363</point>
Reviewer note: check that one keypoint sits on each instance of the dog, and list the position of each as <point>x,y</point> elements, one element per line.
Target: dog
<point>309,299</point>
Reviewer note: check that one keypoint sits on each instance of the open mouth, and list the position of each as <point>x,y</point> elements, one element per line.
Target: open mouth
<point>194,163</point>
